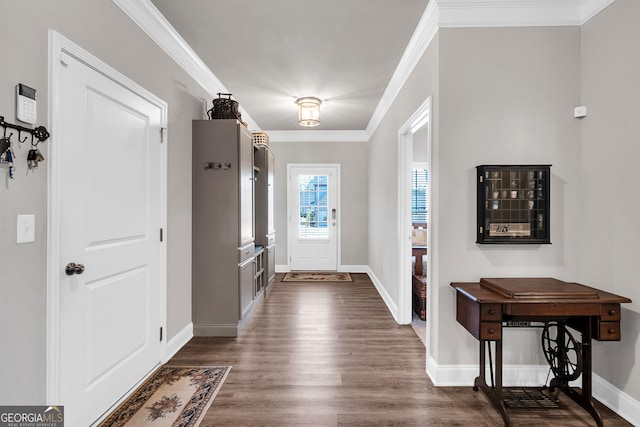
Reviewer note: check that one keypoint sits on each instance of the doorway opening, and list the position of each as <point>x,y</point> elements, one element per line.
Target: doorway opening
<point>415,223</point>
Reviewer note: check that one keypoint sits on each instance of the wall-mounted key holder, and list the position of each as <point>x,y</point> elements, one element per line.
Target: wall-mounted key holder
<point>39,133</point>
<point>217,166</point>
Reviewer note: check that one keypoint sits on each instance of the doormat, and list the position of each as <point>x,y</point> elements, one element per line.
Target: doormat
<point>173,395</point>
<point>317,277</point>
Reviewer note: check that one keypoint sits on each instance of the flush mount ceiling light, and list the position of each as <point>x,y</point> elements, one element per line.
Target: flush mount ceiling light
<point>308,111</point>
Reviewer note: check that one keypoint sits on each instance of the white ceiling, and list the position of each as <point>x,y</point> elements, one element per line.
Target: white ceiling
<point>354,54</point>
<point>267,53</point>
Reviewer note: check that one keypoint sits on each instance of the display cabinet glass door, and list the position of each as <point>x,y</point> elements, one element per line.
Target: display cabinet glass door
<point>513,204</point>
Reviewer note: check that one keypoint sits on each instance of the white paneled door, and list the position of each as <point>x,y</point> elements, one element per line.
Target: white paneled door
<point>109,167</point>
<point>313,217</point>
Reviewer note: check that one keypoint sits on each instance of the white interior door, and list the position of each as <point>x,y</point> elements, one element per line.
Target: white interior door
<point>109,176</point>
<point>313,217</point>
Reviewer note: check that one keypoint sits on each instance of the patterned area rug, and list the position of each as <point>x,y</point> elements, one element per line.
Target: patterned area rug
<point>317,277</point>
<point>172,396</point>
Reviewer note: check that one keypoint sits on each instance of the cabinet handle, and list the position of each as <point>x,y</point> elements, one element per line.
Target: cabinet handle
<point>492,311</point>
<point>612,312</point>
<point>491,331</point>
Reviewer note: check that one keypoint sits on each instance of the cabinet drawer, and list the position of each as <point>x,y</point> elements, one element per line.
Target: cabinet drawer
<point>271,239</point>
<point>246,252</point>
<point>610,312</point>
<point>491,312</point>
<point>490,331</point>
<point>607,331</point>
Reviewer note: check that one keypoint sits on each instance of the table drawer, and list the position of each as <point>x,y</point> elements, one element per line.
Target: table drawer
<point>607,331</point>
<point>610,312</point>
<point>491,312</point>
<point>490,331</point>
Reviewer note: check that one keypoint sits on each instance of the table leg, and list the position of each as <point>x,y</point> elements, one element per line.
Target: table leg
<point>493,393</point>
<point>584,397</point>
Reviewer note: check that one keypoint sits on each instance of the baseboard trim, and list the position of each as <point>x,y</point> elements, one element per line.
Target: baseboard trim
<point>353,269</point>
<point>534,376</point>
<point>215,330</point>
<point>178,341</point>
<point>391,305</point>
<point>616,400</point>
<point>283,268</point>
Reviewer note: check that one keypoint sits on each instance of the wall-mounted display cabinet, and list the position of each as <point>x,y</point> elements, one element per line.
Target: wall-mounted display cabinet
<point>513,204</point>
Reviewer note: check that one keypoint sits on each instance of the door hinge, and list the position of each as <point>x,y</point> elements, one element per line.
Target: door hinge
<point>481,178</point>
<point>160,333</point>
<point>161,235</point>
<point>163,132</point>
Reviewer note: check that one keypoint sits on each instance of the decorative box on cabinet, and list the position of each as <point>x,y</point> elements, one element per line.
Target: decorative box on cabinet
<point>513,203</point>
<point>223,273</point>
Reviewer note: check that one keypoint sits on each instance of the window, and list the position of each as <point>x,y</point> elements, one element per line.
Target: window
<point>419,201</point>
<point>313,206</point>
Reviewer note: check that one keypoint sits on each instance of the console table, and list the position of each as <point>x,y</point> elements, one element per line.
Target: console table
<point>485,308</point>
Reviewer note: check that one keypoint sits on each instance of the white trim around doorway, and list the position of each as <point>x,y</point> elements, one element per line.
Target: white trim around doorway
<point>419,119</point>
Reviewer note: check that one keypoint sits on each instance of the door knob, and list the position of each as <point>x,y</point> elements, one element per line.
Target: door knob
<point>73,268</point>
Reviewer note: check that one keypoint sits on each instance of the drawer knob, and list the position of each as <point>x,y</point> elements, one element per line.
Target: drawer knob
<point>612,312</point>
<point>491,331</point>
<point>610,330</point>
<point>492,311</point>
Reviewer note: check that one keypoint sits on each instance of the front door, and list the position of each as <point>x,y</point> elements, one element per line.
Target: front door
<point>108,175</point>
<point>313,217</point>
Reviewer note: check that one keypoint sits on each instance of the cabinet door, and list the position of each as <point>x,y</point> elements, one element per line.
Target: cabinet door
<point>245,279</point>
<point>245,154</point>
<point>271,212</point>
<point>271,263</point>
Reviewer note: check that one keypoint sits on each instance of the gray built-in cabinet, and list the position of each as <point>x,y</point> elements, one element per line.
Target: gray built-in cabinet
<point>230,204</point>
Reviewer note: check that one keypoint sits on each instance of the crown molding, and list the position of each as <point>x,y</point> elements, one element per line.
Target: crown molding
<point>425,32</point>
<point>591,8</point>
<point>517,13</point>
<point>144,14</point>
<point>317,135</point>
<point>438,14</point>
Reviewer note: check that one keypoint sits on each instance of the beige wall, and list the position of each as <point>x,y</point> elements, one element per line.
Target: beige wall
<point>102,29</point>
<point>507,97</point>
<point>383,166</point>
<point>354,201</point>
<point>609,153</point>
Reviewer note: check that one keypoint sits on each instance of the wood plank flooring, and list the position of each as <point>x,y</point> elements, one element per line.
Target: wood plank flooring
<point>330,354</point>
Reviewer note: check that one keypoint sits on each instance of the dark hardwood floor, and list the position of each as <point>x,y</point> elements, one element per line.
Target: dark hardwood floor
<point>329,354</point>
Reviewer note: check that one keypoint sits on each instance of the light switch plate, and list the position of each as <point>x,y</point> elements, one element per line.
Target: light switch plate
<point>26,229</point>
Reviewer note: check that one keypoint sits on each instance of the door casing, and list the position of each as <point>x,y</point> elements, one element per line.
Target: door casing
<point>420,118</point>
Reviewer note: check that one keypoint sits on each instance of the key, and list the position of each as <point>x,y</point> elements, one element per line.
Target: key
<point>5,143</point>
<point>12,169</point>
<point>32,161</point>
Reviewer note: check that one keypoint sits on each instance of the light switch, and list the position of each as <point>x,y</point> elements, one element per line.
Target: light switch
<point>26,229</point>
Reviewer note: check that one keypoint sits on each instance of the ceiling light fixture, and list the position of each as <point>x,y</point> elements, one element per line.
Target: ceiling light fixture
<point>308,111</point>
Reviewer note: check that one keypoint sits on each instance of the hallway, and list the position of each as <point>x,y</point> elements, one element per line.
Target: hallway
<point>328,354</point>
